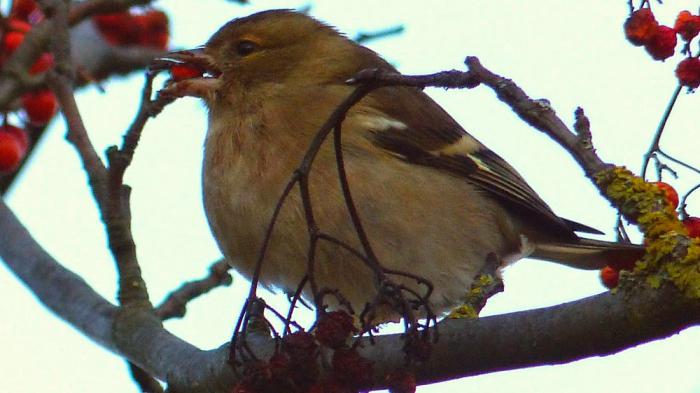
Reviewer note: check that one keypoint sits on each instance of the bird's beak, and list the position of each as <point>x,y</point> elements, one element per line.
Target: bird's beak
<point>203,86</point>
<point>195,57</point>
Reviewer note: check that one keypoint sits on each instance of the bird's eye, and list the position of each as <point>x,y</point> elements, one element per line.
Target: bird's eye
<point>245,47</point>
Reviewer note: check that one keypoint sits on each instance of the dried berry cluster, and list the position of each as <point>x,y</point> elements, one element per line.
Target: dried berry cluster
<point>295,367</point>
<point>642,29</point>
<point>610,275</point>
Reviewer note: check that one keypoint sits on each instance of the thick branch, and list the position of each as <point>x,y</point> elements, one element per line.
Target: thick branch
<point>63,292</point>
<point>598,325</point>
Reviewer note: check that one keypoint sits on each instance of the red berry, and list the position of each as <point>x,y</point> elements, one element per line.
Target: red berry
<point>670,192</point>
<point>687,25</point>
<point>18,133</point>
<point>22,9</point>
<point>159,41</point>
<point>662,43</point>
<point>334,328</point>
<point>156,20</point>
<point>302,351</point>
<point>688,72</point>
<point>124,28</point>
<point>692,225</point>
<point>154,30</point>
<point>40,105</point>
<point>640,26</point>
<point>623,264</point>
<point>279,361</point>
<point>11,152</point>
<point>300,346</point>
<point>351,368</point>
<point>111,21</point>
<point>11,40</point>
<point>180,72</point>
<point>18,25</point>
<point>610,277</point>
<point>242,387</point>
<point>331,385</point>
<point>401,381</point>
<point>118,28</point>
<point>42,64</point>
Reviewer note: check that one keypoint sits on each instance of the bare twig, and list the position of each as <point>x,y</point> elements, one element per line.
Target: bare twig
<point>77,135</point>
<point>364,37</point>
<point>677,161</point>
<point>654,146</point>
<point>683,203</point>
<point>446,79</point>
<point>539,115</point>
<point>175,304</point>
<point>109,192</point>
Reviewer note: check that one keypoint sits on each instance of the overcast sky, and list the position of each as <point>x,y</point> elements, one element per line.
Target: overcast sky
<point>572,53</point>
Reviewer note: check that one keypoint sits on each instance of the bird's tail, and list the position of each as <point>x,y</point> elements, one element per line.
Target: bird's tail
<point>588,254</point>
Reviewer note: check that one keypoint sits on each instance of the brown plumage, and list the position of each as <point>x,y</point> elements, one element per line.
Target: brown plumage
<point>434,200</point>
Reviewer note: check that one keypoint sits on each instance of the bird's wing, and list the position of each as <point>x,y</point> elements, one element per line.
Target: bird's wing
<point>416,129</point>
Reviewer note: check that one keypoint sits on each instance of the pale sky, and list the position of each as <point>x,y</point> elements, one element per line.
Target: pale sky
<point>572,53</point>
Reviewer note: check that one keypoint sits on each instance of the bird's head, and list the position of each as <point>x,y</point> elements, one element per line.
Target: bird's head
<point>281,47</point>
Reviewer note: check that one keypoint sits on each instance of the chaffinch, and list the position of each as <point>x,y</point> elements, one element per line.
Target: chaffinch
<point>434,201</point>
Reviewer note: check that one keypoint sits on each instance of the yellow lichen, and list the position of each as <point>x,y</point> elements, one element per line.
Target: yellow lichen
<point>465,311</point>
<point>670,254</point>
<point>475,299</point>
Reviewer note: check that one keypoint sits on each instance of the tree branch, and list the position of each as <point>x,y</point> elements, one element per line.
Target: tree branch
<point>595,326</point>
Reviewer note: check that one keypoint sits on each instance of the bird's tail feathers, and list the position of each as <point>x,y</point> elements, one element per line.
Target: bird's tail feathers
<point>589,254</point>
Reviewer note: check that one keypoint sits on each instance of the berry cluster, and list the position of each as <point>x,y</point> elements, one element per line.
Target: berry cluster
<point>610,275</point>
<point>642,29</point>
<point>142,27</point>
<point>295,366</point>
<point>38,106</point>
<point>147,29</point>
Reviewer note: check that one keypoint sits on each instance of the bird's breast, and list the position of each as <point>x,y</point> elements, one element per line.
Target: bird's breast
<point>418,219</point>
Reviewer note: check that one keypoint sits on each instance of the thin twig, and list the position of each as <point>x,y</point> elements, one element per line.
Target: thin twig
<point>175,304</point>
<point>364,37</point>
<point>292,304</point>
<point>677,161</point>
<point>243,316</point>
<point>654,146</point>
<point>682,205</point>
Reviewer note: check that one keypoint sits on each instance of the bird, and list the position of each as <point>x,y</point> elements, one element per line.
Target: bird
<point>433,200</point>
